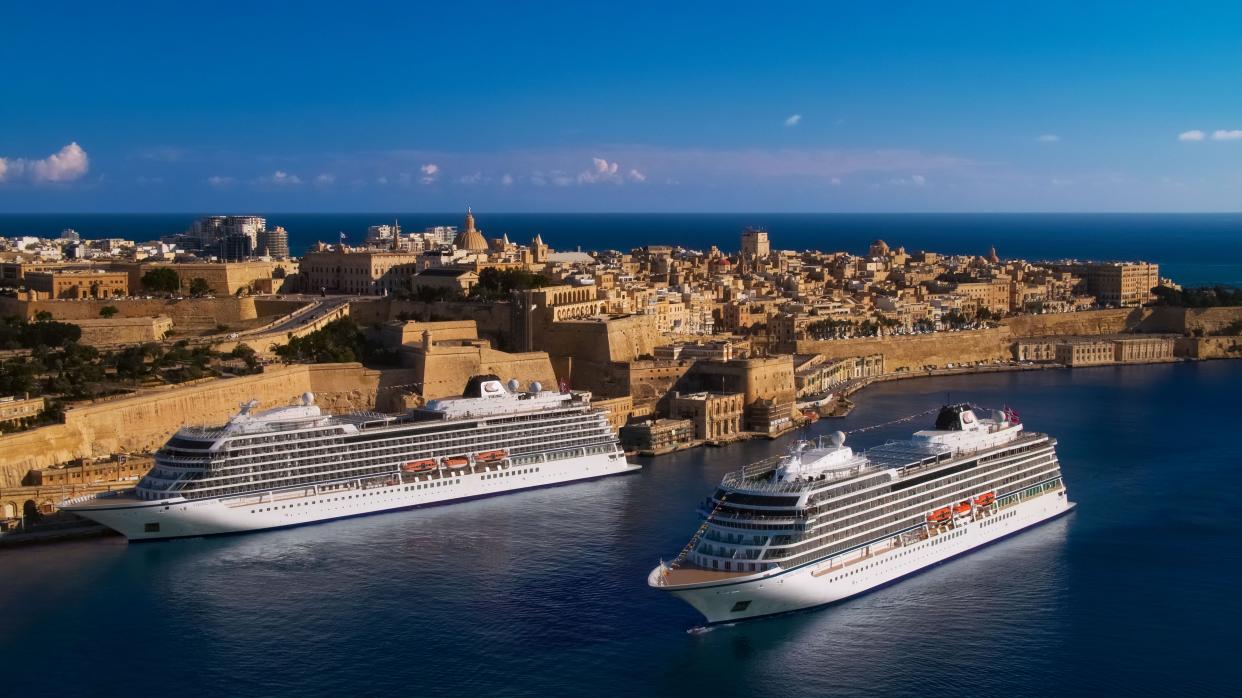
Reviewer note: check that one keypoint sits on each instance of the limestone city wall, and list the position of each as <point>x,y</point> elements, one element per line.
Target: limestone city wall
<point>914,352</point>
<point>1087,322</point>
<point>1190,320</point>
<point>187,311</point>
<point>115,331</point>
<point>143,422</point>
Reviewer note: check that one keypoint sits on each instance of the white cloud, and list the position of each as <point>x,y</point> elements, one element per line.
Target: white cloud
<point>835,181</point>
<point>65,165</point>
<point>1230,135</point>
<point>1048,138</point>
<point>601,171</point>
<point>1195,135</point>
<point>431,172</point>
<point>220,182</point>
<point>325,179</point>
<point>793,120</point>
<point>919,180</point>
<point>636,176</point>
<point>283,179</point>
<point>473,178</point>
<point>68,164</point>
<point>507,180</point>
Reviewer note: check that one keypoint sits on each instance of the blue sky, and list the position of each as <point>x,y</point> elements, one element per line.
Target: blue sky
<point>948,106</point>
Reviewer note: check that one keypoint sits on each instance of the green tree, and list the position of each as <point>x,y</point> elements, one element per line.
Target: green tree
<point>496,284</point>
<point>161,280</point>
<point>108,311</point>
<point>199,287</point>
<point>338,341</point>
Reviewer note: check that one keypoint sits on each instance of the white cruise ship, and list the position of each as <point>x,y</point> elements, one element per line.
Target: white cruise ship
<point>295,465</point>
<point>823,523</point>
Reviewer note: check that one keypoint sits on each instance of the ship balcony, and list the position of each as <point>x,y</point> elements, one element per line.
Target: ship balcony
<point>792,520</point>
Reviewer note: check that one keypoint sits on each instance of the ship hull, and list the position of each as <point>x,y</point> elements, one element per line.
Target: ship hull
<point>817,585</point>
<point>204,517</point>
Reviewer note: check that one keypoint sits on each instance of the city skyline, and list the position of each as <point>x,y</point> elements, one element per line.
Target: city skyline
<point>965,107</point>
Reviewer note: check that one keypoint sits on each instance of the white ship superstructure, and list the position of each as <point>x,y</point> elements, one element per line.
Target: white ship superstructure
<point>296,465</point>
<point>824,523</point>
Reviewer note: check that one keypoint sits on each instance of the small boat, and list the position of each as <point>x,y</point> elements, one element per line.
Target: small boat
<point>420,466</point>
<point>811,415</point>
<point>962,509</point>
<point>455,462</point>
<point>939,515</point>
<point>491,456</point>
<point>985,499</point>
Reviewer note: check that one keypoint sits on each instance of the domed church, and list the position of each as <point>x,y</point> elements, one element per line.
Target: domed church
<point>470,238</point>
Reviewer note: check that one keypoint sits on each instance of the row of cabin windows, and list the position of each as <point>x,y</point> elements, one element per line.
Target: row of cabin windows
<point>866,529</point>
<point>868,535</point>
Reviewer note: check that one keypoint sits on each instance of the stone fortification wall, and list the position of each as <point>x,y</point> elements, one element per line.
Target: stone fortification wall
<point>101,332</point>
<point>273,307</point>
<point>395,334</point>
<point>1209,347</point>
<point>1088,322</point>
<point>601,341</point>
<point>187,311</point>
<point>912,353</point>
<point>1190,320</point>
<point>444,371</point>
<point>143,422</point>
<point>492,320</point>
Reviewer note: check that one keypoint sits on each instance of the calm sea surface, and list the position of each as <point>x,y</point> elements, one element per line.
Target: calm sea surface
<point>1193,249</point>
<point>542,593</point>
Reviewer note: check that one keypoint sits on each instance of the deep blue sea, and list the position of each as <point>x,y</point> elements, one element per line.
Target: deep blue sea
<point>542,593</point>
<point>1193,249</point>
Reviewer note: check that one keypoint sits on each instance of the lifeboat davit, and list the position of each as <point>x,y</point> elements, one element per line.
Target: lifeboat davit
<point>985,499</point>
<point>456,462</point>
<point>962,509</point>
<point>420,466</point>
<point>491,456</point>
<point>939,515</point>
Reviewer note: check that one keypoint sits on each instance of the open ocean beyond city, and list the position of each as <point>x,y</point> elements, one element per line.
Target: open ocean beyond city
<point>543,593</point>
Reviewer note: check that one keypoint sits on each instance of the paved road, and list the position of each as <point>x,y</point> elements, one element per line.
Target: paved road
<point>317,309</point>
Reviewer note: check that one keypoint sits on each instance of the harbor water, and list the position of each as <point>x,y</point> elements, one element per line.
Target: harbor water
<point>543,593</point>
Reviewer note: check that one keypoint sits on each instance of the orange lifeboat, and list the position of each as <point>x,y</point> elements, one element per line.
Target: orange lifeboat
<point>420,466</point>
<point>491,456</point>
<point>962,509</point>
<point>985,499</point>
<point>455,462</point>
<point>939,515</point>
